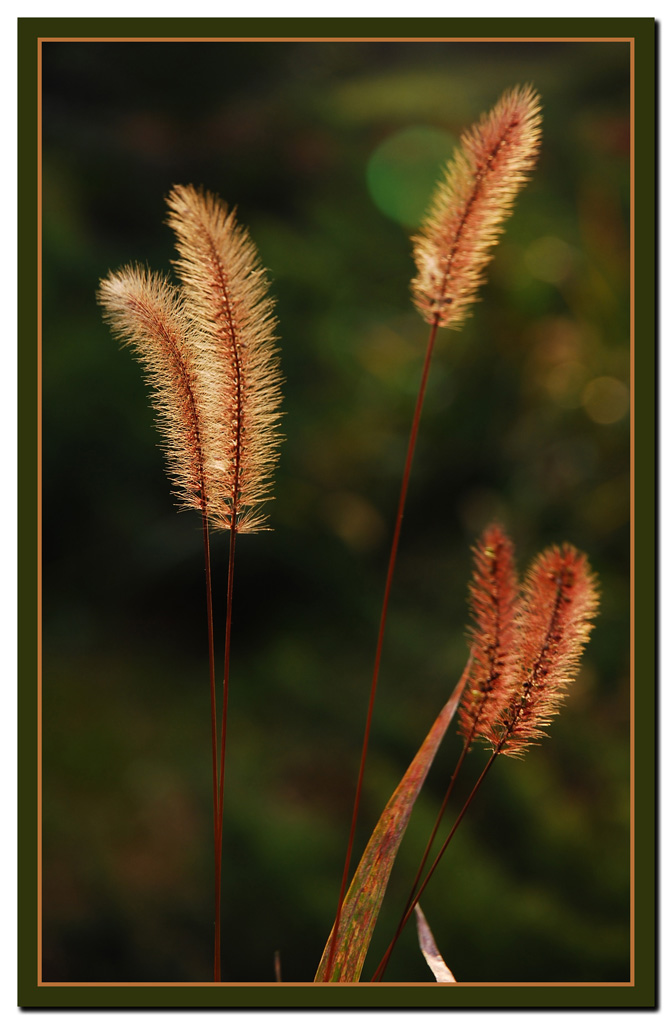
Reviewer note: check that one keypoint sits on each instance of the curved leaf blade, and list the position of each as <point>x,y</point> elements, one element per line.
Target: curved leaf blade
<point>367,889</point>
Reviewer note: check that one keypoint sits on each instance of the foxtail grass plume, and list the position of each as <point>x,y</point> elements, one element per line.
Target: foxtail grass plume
<point>226,296</point>
<point>526,644</point>
<point>210,355</point>
<point>559,602</point>
<point>493,598</point>
<point>466,213</point>
<point>146,312</point>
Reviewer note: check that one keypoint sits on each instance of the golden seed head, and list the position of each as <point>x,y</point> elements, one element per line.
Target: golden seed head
<point>468,208</point>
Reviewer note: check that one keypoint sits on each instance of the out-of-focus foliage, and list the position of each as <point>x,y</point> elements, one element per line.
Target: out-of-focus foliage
<point>326,149</point>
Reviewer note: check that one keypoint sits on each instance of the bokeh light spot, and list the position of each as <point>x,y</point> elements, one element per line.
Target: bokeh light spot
<point>558,362</point>
<point>355,520</point>
<point>402,172</point>
<point>606,400</point>
<point>563,383</point>
<point>550,259</point>
<point>386,353</point>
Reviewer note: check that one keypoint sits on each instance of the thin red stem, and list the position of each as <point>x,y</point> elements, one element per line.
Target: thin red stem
<point>380,970</point>
<point>225,694</point>
<point>442,811</point>
<point>438,821</point>
<point>213,728</point>
<point>235,495</point>
<point>381,633</point>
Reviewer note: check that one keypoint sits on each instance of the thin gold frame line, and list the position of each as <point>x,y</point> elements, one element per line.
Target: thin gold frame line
<point>39,514</point>
<point>280,39</point>
<point>336,39</point>
<point>632,511</point>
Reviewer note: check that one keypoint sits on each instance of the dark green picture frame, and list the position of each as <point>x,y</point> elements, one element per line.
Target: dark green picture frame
<point>36,509</point>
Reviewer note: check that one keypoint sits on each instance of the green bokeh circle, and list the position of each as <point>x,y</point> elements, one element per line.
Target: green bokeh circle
<point>402,172</point>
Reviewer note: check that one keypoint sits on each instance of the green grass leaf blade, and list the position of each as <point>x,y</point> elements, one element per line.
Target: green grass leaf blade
<point>367,889</point>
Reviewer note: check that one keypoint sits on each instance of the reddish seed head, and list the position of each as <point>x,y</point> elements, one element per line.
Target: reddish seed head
<point>559,603</point>
<point>526,647</point>
<point>493,595</point>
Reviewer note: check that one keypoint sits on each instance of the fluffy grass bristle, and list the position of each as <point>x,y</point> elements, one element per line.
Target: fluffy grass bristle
<point>476,195</point>
<point>146,312</point>
<point>226,296</point>
<point>559,602</point>
<point>493,597</point>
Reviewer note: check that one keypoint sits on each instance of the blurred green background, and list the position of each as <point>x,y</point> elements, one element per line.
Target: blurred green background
<point>330,152</point>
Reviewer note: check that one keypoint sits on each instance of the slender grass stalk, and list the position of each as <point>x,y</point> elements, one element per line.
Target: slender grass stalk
<point>430,842</point>
<point>213,744</point>
<point>381,634</point>
<point>225,293</point>
<point>225,689</point>
<point>380,970</point>
<point>147,313</point>
<point>454,246</point>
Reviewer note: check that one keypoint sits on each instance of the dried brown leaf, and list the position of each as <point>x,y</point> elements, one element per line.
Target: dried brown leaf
<point>435,961</point>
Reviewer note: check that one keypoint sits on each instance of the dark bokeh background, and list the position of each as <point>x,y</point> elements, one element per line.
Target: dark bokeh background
<point>330,151</point>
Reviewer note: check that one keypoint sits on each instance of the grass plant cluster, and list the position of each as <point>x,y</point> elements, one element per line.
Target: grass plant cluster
<point>209,351</point>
